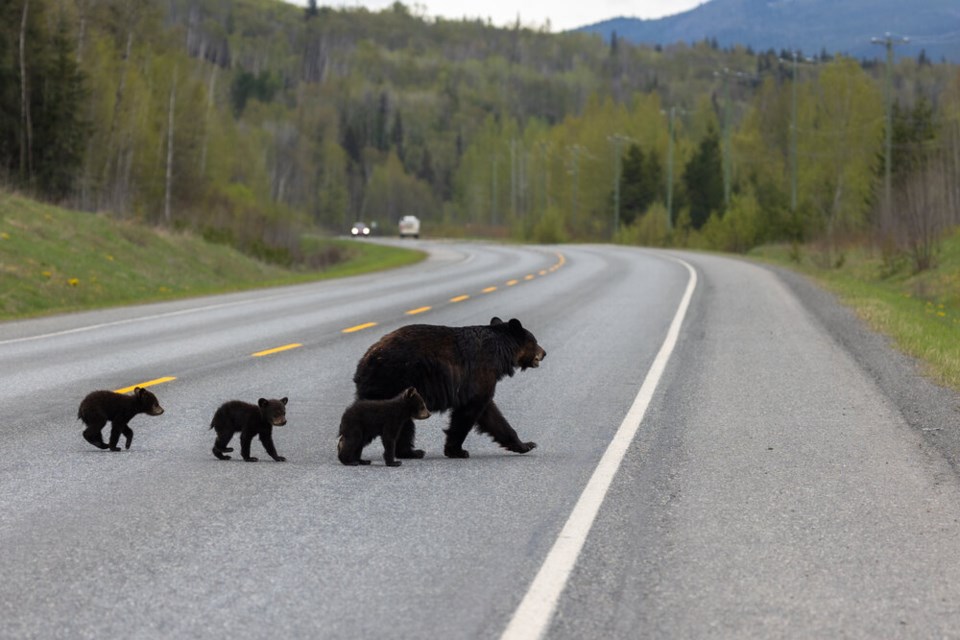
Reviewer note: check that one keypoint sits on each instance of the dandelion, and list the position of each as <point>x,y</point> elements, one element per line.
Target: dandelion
<point>73,282</point>
<point>46,274</point>
<point>4,235</point>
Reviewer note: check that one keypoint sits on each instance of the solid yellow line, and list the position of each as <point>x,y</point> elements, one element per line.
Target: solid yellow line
<point>459,298</point>
<point>414,312</point>
<point>148,383</point>
<point>359,327</point>
<point>285,347</point>
<point>510,283</point>
<point>489,290</point>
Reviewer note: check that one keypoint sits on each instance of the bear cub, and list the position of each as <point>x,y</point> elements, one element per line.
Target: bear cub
<point>100,407</point>
<point>364,420</point>
<point>250,420</point>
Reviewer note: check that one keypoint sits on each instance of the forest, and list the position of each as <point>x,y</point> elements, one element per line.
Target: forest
<point>255,121</point>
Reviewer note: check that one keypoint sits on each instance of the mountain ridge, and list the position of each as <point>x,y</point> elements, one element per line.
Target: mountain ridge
<point>810,26</point>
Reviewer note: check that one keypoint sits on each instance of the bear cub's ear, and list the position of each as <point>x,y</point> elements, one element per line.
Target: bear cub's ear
<point>409,392</point>
<point>283,400</point>
<point>262,402</point>
<point>495,321</point>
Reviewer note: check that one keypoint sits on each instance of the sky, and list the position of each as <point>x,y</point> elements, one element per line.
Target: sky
<point>562,14</point>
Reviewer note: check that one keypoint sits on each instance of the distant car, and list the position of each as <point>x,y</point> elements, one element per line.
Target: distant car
<point>359,230</point>
<point>409,226</point>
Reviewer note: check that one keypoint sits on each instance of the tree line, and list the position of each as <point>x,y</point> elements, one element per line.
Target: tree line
<point>253,120</point>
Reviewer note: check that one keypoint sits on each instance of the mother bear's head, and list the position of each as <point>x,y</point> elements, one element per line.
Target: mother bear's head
<point>529,353</point>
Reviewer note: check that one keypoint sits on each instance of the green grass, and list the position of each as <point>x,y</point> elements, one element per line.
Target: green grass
<point>54,260</point>
<point>919,311</point>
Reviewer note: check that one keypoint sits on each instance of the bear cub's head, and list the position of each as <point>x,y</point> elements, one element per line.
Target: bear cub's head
<point>415,404</point>
<point>273,411</point>
<point>529,353</point>
<point>147,402</point>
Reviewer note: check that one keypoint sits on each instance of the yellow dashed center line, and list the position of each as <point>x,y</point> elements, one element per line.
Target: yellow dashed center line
<point>561,260</point>
<point>285,347</point>
<point>414,312</point>
<point>359,327</point>
<point>148,383</point>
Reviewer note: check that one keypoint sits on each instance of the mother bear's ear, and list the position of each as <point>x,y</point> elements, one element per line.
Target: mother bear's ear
<point>495,321</point>
<point>515,325</point>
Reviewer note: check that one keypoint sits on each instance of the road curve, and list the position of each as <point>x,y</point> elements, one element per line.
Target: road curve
<point>771,489</point>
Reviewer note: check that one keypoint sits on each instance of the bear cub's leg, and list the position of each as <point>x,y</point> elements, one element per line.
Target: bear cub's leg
<point>94,432</point>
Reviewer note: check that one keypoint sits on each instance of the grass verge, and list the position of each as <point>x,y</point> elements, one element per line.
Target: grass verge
<point>919,311</point>
<point>53,260</point>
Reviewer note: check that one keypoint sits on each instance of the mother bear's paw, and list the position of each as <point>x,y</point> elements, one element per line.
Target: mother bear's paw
<point>455,452</point>
<point>411,453</point>
<point>523,447</point>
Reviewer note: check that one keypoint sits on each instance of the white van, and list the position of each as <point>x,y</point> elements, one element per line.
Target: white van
<point>409,226</point>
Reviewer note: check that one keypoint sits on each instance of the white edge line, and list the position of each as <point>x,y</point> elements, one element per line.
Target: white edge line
<point>116,323</point>
<point>535,612</point>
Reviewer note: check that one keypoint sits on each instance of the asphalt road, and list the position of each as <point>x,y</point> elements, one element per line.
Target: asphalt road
<point>775,487</point>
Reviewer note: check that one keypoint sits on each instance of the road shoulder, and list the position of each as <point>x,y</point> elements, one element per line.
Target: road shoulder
<point>932,410</point>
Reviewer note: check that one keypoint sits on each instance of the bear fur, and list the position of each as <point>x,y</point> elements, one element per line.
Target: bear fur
<point>250,420</point>
<point>364,420</point>
<point>455,369</point>
<point>100,407</point>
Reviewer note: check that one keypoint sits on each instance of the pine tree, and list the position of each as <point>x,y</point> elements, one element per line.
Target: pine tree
<point>703,180</point>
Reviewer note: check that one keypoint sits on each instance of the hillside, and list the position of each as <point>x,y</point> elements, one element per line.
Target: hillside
<point>812,26</point>
<point>257,121</point>
<point>54,260</point>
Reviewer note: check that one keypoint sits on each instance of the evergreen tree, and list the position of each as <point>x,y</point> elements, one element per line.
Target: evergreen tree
<point>631,179</point>
<point>60,134</point>
<point>396,136</point>
<point>641,183</point>
<point>703,180</point>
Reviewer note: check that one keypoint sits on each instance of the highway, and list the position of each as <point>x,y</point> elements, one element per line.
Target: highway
<point>779,473</point>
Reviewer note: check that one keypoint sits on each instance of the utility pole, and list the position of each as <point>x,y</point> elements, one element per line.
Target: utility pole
<point>576,177</point>
<point>793,138</point>
<point>493,198</point>
<point>673,111</point>
<point>725,137</point>
<point>888,41</point>
<point>513,176</point>
<point>545,169</point>
<point>726,145</point>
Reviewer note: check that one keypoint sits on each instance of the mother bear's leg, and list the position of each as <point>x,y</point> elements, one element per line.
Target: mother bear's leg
<point>492,422</point>
<point>404,445</point>
<point>461,421</point>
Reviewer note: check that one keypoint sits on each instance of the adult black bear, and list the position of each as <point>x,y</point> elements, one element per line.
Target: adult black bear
<point>453,368</point>
<point>250,420</point>
<point>364,420</point>
<point>100,407</point>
